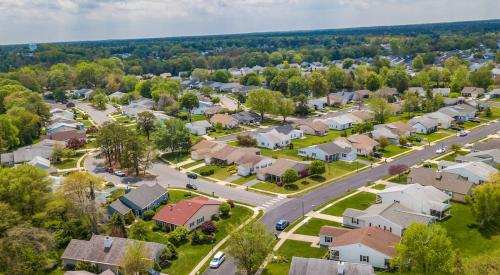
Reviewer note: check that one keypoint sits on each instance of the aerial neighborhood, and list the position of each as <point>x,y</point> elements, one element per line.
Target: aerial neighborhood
<point>280,153</point>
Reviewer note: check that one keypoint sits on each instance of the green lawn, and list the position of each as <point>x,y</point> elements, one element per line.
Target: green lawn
<point>90,144</point>
<point>313,226</point>
<point>220,172</point>
<point>67,163</point>
<point>393,150</point>
<point>176,157</point>
<point>243,180</point>
<point>198,117</point>
<point>225,132</point>
<point>359,201</point>
<point>270,122</point>
<point>190,255</point>
<point>400,179</point>
<point>433,137</point>
<point>379,187</point>
<point>466,235</point>
<point>289,249</point>
<point>192,164</point>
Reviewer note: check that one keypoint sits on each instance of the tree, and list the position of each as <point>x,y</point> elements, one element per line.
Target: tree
<point>383,142</point>
<point>336,78</point>
<point>250,79</point>
<point>26,122</point>
<point>269,74</point>
<point>261,101</point>
<point>179,235</point>
<point>411,103</point>
<point>397,169</point>
<point>99,101</point>
<point>172,135</point>
<point>296,86</point>
<point>246,141</point>
<point>488,112</point>
<point>8,219</point>
<point>139,231</point>
<point>221,76</point>
<point>482,77</point>
<point>75,143</point>
<point>189,101</point>
<point>317,84</point>
<point>418,63</point>
<point>26,250</point>
<point>276,58</point>
<point>167,255</point>
<point>382,110</point>
<point>250,246</point>
<point>208,227</point>
<point>373,81</point>
<point>9,134</point>
<point>137,259</point>
<point>485,204</point>
<point>200,74</point>
<point>459,79</point>
<point>424,250</point>
<point>118,226</point>
<point>316,167</point>
<point>348,62</point>
<point>135,152</point>
<point>224,208</point>
<point>397,78</point>
<point>301,105</point>
<point>146,123</point>
<point>290,176</point>
<point>455,147</point>
<point>283,106</point>
<point>80,189</point>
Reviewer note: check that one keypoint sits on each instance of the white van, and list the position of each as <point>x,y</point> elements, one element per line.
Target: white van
<point>217,259</point>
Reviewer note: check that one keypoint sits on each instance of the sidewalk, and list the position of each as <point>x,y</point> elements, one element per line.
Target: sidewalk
<point>314,240</point>
<point>324,217</point>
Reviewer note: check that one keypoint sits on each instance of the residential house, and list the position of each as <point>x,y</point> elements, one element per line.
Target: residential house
<point>327,234</point>
<point>215,109</point>
<point>139,200</point>
<point>227,155</point>
<point>85,93</point>
<point>204,104</point>
<point>363,115</point>
<point>42,149</point>
<point>251,163</point>
<point>418,91</point>
<point>460,112</point>
<point>400,128</point>
<point>423,124</point>
<point>191,213</point>
<point>272,140</point>
<point>317,103</point>
<point>246,117</point>
<point>495,93</point>
<point>116,96</point>
<point>63,126</point>
<point>227,121</point>
<point>491,157</point>
<point>313,266</point>
<point>328,152</point>
<point>61,113</point>
<point>315,127</point>
<point>198,128</point>
<point>276,171</point>
<point>476,172</point>
<point>441,91</point>
<point>362,144</point>
<point>392,217</point>
<point>380,131</point>
<point>66,135</point>
<point>104,252</point>
<point>489,144</point>
<point>386,92</point>
<point>454,185</point>
<point>427,200</point>
<point>367,245</point>
<point>444,121</point>
<point>137,106</point>
<point>288,130</point>
<point>204,148</point>
<point>473,92</point>
<point>40,162</point>
<point>452,101</point>
<point>361,94</point>
<point>341,122</point>
<point>336,100</point>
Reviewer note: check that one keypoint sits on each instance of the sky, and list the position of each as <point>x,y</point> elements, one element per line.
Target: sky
<point>36,21</point>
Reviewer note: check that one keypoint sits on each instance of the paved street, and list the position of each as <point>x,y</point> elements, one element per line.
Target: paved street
<point>228,102</point>
<point>292,210</point>
<point>169,177</point>
<point>98,116</point>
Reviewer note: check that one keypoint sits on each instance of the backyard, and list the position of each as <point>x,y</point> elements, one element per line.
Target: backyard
<point>313,226</point>
<point>359,201</point>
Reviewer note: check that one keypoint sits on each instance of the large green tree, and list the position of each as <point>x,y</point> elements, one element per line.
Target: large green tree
<point>382,110</point>
<point>485,204</point>
<point>260,101</point>
<point>318,84</point>
<point>283,107</point>
<point>189,101</point>
<point>146,123</point>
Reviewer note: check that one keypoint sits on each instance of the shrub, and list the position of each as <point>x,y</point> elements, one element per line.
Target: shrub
<point>148,215</point>
<point>214,217</point>
<point>224,208</point>
<point>129,218</point>
<point>91,130</point>
<point>109,184</point>
<point>183,115</point>
<point>208,227</point>
<point>167,255</point>
<point>195,239</point>
<point>85,116</point>
<point>316,167</point>
<point>178,236</point>
<point>290,176</point>
<point>75,143</point>
<point>206,171</point>
<point>231,203</point>
<point>246,141</point>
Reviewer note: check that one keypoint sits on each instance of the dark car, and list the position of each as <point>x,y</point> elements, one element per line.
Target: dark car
<point>191,186</point>
<point>377,154</point>
<point>475,119</point>
<point>282,224</point>
<point>456,128</point>
<point>418,139</point>
<point>192,176</point>
<point>110,170</point>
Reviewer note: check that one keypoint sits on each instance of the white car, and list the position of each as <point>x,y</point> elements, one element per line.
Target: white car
<point>462,133</point>
<point>119,173</point>
<point>441,150</point>
<point>217,260</point>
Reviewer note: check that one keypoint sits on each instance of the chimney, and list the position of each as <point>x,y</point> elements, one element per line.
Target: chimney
<point>340,268</point>
<point>108,242</point>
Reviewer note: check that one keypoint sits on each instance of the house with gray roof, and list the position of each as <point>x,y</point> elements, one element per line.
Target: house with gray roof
<point>105,252</point>
<point>491,157</point>
<point>42,149</point>
<point>330,151</point>
<point>198,128</point>
<point>289,131</point>
<point>139,200</point>
<point>246,117</point>
<point>423,124</point>
<point>476,172</point>
<point>313,266</point>
<point>392,217</point>
<point>489,144</point>
<point>460,112</point>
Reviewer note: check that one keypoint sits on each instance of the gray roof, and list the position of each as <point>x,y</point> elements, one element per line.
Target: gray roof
<point>441,180</point>
<point>486,145</point>
<point>332,148</point>
<point>144,195</point>
<point>284,129</point>
<point>312,266</point>
<point>120,207</point>
<point>94,250</point>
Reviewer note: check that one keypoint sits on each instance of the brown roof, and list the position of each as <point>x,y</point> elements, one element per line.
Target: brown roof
<point>487,145</point>
<point>472,90</point>
<point>224,119</point>
<point>214,110</point>
<point>443,181</point>
<point>281,165</point>
<point>65,135</point>
<point>179,213</point>
<point>204,144</point>
<point>362,141</point>
<point>332,231</point>
<point>400,127</point>
<point>316,125</point>
<point>386,91</point>
<point>335,99</point>
<point>373,237</point>
<point>364,115</point>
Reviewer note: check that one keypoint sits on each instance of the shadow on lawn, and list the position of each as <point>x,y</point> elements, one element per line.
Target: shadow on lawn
<point>487,231</point>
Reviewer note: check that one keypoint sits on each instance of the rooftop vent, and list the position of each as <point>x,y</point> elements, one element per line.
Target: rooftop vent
<point>108,242</point>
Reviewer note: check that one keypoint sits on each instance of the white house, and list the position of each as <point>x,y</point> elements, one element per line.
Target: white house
<point>442,91</point>
<point>289,131</point>
<point>328,152</point>
<point>272,140</point>
<point>40,162</point>
<point>444,121</point>
<point>380,131</point>
<point>392,217</point>
<point>204,105</point>
<point>198,128</point>
<point>460,112</point>
<point>338,123</point>
<point>60,127</point>
<point>476,171</point>
<point>426,200</point>
<point>423,124</point>
<point>251,164</point>
<point>368,245</point>
<point>59,113</point>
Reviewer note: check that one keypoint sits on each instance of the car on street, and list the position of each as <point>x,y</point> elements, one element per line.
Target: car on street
<point>462,133</point>
<point>282,224</point>
<point>441,150</point>
<point>217,260</point>
<point>191,186</point>
<point>119,173</point>
<point>192,176</point>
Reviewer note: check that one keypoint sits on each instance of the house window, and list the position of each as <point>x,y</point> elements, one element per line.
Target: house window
<point>354,221</point>
<point>396,201</point>
<point>344,155</point>
<point>364,259</point>
<point>191,224</point>
<point>328,239</point>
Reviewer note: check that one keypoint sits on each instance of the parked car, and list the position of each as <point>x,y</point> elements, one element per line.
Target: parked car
<point>418,139</point>
<point>282,224</point>
<point>191,186</point>
<point>192,176</point>
<point>217,260</point>
<point>462,133</point>
<point>475,119</point>
<point>377,154</point>
<point>441,150</point>
<point>456,128</point>
<point>119,173</point>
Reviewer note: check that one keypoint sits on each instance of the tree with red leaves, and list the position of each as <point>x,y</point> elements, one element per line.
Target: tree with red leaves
<point>75,143</point>
<point>398,169</point>
<point>208,227</point>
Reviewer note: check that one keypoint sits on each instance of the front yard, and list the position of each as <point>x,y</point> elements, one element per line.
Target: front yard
<point>289,249</point>
<point>176,157</point>
<point>224,132</point>
<point>243,180</point>
<point>433,136</point>
<point>220,172</point>
<point>313,226</point>
<point>392,150</point>
<point>67,163</point>
<point>359,201</point>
